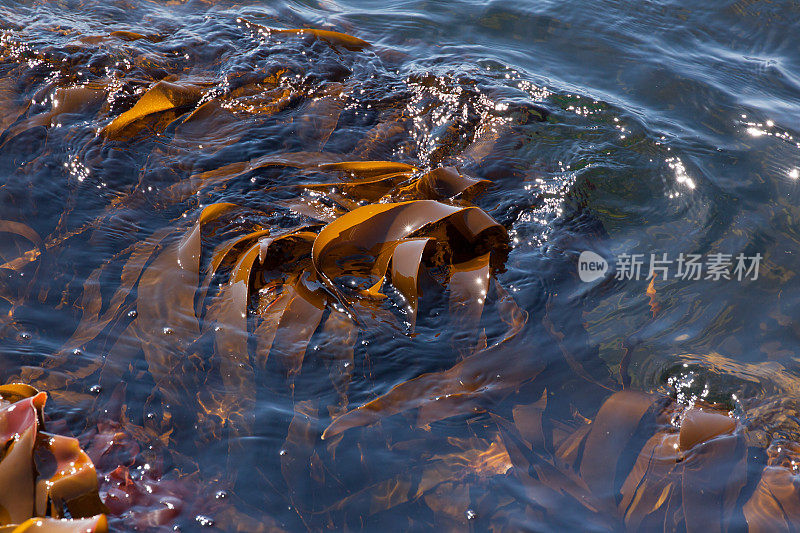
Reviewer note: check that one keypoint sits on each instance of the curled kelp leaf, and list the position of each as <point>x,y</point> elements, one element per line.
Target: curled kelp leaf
<point>15,261</point>
<point>405,273</point>
<point>443,183</point>
<point>163,96</point>
<point>369,229</point>
<point>50,474</point>
<point>222,256</point>
<point>290,309</point>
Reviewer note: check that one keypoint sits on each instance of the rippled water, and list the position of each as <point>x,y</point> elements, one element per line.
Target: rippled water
<point>616,127</point>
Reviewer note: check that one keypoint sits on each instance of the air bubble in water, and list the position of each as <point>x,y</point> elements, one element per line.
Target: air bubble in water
<point>204,520</point>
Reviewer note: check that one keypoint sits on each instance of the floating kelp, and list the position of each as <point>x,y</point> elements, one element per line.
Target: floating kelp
<point>52,478</point>
<point>280,287</point>
<point>331,37</point>
<point>280,269</point>
<point>690,470</point>
<point>161,97</point>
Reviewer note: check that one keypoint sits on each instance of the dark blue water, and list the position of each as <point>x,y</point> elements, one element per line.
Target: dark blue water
<point>616,127</point>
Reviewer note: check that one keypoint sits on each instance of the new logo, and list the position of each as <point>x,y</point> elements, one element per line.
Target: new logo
<point>591,266</point>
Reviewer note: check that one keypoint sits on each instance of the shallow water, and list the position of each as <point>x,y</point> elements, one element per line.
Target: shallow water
<point>662,128</point>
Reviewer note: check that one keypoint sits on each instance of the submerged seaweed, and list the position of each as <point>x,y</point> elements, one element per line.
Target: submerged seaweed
<point>272,271</point>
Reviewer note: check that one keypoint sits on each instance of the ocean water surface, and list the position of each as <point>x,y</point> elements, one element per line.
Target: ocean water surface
<point>211,275</point>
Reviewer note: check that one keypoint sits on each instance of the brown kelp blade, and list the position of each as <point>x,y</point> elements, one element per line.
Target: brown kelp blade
<point>472,461</point>
<point>469,288</point>
<point>166,291</point>
<point>331,37</point>
<point>775,503</point>
<point>94,319</point>
<point>551,485</point>
<point>65,100</point>
<point>620,416</point>
<point>405,272</point>
<point>340,336</point>
<point>368,169</point>
<point>210,178</point>
<point>163,96</point>
<point>26,232</point>
<point>297,324</point>
<point>225,253</point>
<point>528,421</point>
<point>443,183</point>
<point>298,450</point>
<point>97,524</point>
<point>72,490</point>
<point>698,486</point>
<point>234,404</point>
<point>166,322</point>
<point>368,229</point>
<point>459,387</point>
<point>50,474</point>
<point>361,190</point>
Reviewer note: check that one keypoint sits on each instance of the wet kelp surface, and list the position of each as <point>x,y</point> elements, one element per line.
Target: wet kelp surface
<point>50,484</point>
<point>281,275</point>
